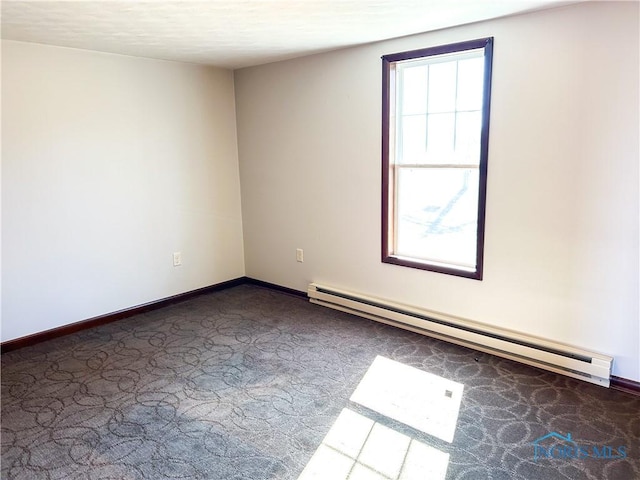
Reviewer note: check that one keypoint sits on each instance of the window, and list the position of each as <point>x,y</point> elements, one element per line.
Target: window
<point>434,157</point>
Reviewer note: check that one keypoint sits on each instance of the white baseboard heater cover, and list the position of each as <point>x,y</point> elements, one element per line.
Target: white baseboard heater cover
<point>555,357</point>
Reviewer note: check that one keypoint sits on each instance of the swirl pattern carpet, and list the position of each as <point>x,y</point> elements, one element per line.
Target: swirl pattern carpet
<point>245,383</point>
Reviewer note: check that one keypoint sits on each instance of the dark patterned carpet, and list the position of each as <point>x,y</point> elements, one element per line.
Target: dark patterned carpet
<point>247,382</point>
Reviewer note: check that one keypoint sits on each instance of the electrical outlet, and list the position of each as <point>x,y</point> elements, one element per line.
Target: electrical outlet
<point>177,259</point>
<point>299,255</point>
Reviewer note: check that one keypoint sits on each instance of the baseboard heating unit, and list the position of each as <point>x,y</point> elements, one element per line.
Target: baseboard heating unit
<point>555,357</point>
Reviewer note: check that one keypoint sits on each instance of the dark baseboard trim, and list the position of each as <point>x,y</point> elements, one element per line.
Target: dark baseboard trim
<point>39,337</point>
<point>625,385</point>
<point>273,286</point>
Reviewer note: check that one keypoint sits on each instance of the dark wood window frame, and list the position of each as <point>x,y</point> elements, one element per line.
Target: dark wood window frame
<point>388,171</point>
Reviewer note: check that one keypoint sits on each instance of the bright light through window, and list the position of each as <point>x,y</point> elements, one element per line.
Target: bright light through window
<point>422,400</point>
<point>435,146</point>
<point>357,447</point>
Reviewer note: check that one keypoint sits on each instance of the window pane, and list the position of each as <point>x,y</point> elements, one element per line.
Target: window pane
<point>470,80</point>
<point>434,161</point>
<point>442,87</point>
<point>437,212</point>
<point>440,134</point>
<point>414,134</point>
<point>468,128</point>
<point>414,94</point>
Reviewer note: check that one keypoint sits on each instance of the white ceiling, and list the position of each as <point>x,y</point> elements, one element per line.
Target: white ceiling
<point>239,33</point>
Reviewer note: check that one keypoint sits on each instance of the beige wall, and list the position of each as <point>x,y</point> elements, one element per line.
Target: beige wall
<point>109,165</point>
<point>561,254</point>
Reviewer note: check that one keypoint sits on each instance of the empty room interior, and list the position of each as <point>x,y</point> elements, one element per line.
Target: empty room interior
<point>237,245</point>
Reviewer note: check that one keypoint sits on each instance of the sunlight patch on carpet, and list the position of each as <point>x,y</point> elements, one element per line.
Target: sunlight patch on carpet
<point>357,448</point>
<point>422,400</point>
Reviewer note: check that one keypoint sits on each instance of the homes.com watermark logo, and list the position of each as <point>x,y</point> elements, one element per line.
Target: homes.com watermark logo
<point>556,446</point>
